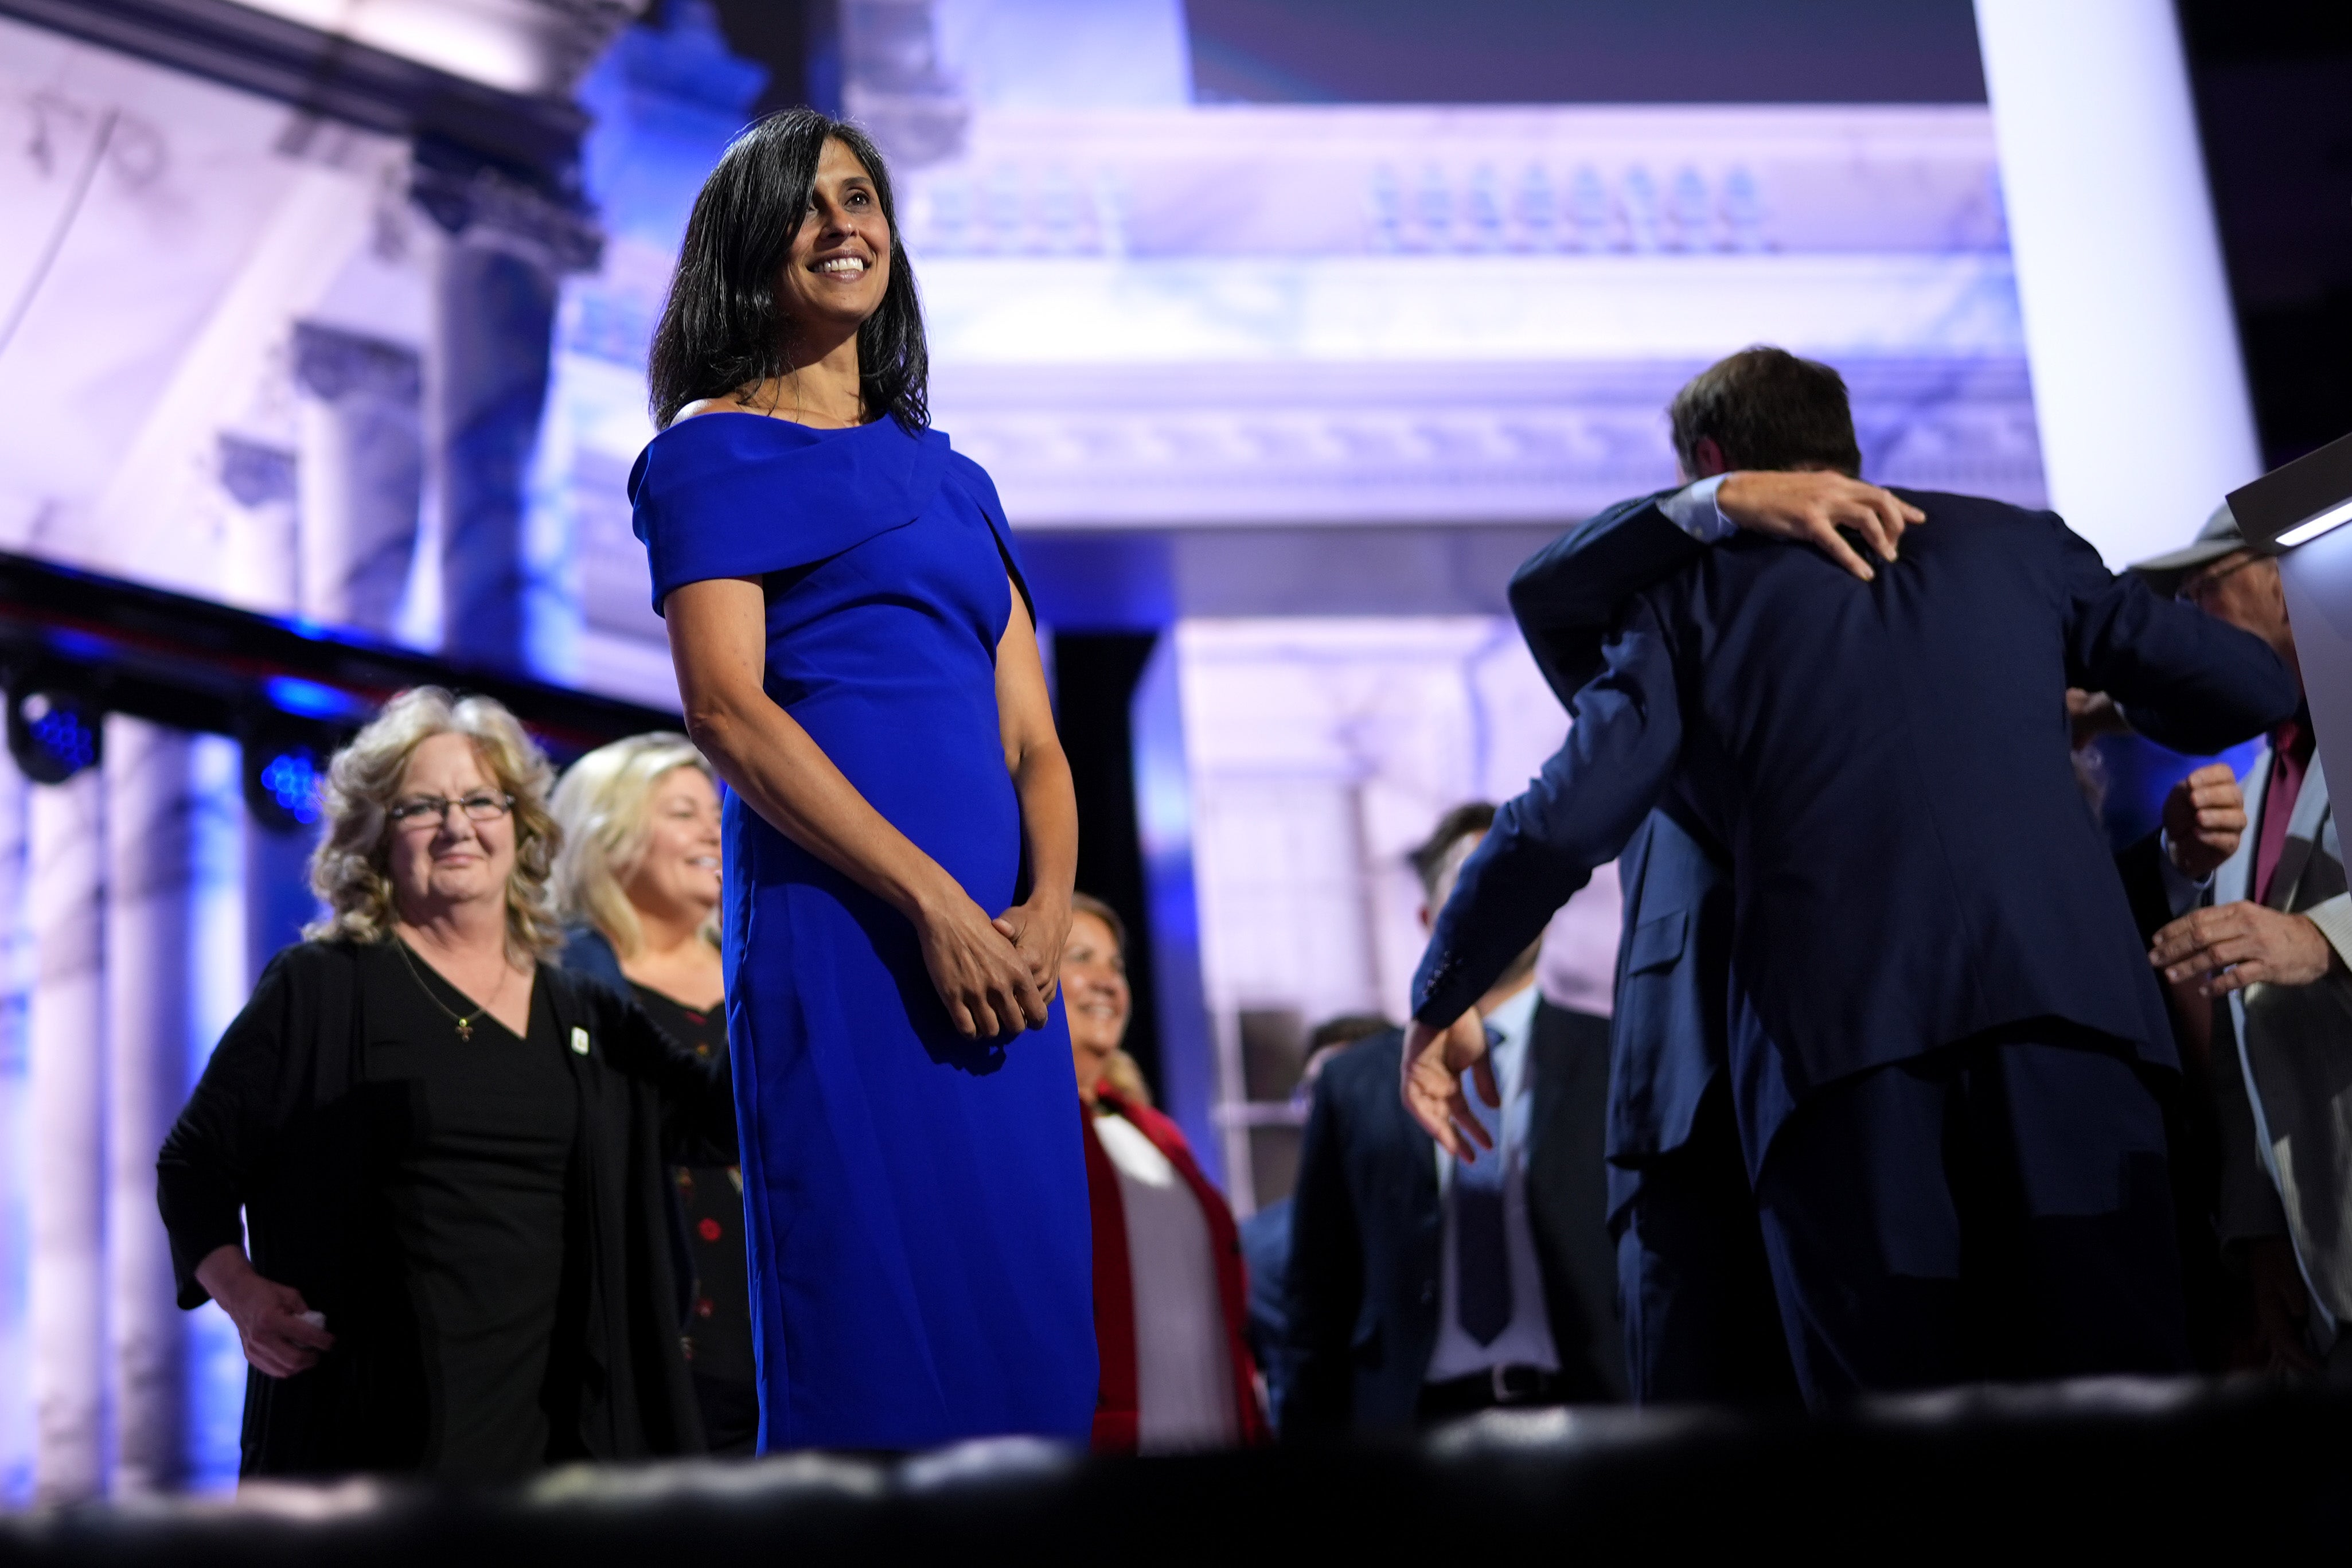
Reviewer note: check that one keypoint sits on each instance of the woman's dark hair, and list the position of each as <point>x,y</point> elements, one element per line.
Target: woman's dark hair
<point>722,328</point>
<point>1766,408</point>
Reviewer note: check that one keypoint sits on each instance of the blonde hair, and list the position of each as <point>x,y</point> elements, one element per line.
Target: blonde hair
<point>349,869</point>
<point>604,803</point>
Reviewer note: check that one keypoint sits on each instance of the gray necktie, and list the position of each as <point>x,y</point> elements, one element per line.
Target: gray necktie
<point>1482,1261</point>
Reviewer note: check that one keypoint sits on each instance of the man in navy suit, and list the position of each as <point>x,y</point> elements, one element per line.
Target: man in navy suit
<point>1941,1026</point>
<point>1418,1292</point>
<point>1693,1289</point>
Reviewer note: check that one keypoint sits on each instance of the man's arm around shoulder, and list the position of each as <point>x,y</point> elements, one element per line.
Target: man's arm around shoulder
<point>2184,678</point>
<point>1568,593</point>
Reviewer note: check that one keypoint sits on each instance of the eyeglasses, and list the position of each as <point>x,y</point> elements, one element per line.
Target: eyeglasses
<point>2193,590</point>
<point>480,806</point>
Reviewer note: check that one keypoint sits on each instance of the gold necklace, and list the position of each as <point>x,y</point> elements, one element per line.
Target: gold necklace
<point>465,1025</point>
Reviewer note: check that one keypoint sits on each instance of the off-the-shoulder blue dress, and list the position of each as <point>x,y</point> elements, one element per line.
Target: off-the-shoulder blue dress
<point>916,1202</point>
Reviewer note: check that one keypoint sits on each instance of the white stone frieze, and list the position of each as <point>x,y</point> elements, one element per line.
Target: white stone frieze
<point>1344,180</point>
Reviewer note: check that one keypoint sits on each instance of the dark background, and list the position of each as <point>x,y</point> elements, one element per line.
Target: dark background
<point>1585,51</point>
<point>2273,85</point>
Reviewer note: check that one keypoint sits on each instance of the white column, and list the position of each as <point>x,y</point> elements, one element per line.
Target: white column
<point>148,866</point>
<point>17,1168</point>
<point>261,549</point>
<point>506,601</point>
<point>2138,384</point>
<point>64,905</point>
<point>361,473</point>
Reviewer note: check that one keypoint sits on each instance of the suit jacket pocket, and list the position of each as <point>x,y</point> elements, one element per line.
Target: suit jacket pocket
<point>1656,943</point>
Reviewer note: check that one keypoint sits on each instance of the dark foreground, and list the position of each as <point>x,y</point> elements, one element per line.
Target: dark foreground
<point>2104,1466</point>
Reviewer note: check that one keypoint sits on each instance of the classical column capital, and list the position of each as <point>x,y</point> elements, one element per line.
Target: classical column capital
<point>482,206</point>
<point>332,362</point>
<point>254,473</point>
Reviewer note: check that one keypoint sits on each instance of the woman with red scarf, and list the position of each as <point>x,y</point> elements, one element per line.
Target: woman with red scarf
<point>1169,1291</point>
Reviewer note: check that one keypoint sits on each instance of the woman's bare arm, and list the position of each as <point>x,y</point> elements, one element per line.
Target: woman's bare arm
<point>1049,806</point>
<point>717,639</point>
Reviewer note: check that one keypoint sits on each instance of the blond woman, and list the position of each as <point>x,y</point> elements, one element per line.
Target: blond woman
<point>448,1156</point>
<point>637,884</point>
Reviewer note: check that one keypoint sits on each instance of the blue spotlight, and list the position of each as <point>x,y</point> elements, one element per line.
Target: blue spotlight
<point>310,700</point>
<point>53,735</point>
<point>290,779</point>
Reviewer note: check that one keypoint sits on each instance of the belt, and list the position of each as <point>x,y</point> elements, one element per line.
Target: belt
<point>1498,1387</point>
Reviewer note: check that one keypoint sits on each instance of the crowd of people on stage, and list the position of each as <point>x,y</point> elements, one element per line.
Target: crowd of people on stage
<point>628,1114</point>
<point>464,1172</point>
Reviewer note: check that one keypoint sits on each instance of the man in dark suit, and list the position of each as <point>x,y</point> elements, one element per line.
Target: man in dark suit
<point>1695,1293</point>
<point>1419,1289</point>
<point>1265,1235</point>
<point>1942,1025</point>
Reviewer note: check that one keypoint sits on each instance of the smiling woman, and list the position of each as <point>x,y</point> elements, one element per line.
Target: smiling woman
<point>637,882</point>
<point>817,322</point>
<point>448,1155</point>
<point>858,659</point>
<point>1171,1294</point>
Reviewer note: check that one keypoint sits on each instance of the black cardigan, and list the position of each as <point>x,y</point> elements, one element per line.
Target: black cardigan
<point>277,1128</point>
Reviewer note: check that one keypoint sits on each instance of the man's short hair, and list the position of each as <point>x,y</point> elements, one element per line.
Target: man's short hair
<point>1766,408</point>
<point>1347,1029</point>
<point>1429,857</point>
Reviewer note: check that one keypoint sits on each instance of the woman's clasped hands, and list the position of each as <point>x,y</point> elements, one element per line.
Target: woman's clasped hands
<point>995,977</point>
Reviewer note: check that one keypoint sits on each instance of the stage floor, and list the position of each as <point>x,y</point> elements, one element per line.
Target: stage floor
<point>2116,1465</point>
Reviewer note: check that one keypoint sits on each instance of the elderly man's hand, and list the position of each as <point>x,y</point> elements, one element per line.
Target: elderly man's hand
<point>2234,946</point>
<point>1435,1061</point>
<point>1812,505</point>
<point>2204,816</point>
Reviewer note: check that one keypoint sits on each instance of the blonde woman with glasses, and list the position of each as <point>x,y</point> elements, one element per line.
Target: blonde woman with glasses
<point>450,1156</point>
<point>638,883</point>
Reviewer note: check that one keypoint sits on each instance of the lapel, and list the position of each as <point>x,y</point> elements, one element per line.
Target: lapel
<point>2234,881</point>
<point>2303,830</point>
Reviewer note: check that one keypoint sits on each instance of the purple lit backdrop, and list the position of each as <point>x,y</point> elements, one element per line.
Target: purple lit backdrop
<point>1287,327</point>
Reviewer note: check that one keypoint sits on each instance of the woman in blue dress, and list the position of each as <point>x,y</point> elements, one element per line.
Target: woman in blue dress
<point>858,657</point>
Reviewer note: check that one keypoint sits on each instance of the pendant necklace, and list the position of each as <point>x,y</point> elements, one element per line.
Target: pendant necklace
<point>465,1023</point>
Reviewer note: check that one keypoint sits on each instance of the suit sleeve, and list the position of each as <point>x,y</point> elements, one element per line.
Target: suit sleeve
<point>1574,589</point>
<point>2185,679</point>
<point>217,1150</point>
<point>1577,813</point>
<point>1324,1281</point>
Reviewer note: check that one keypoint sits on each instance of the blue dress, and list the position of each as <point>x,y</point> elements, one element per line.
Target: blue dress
<point>916,1202</point>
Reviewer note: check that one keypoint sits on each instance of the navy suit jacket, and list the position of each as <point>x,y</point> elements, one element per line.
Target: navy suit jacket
<point>1669,1037</point>
<point>1674,956</point>
<point>1887,766</point>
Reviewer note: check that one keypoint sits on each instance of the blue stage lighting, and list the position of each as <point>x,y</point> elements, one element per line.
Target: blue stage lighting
<point>53,736</point>
<point>65,735</point>
<point>289,694</point>
<point>291,777</point>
